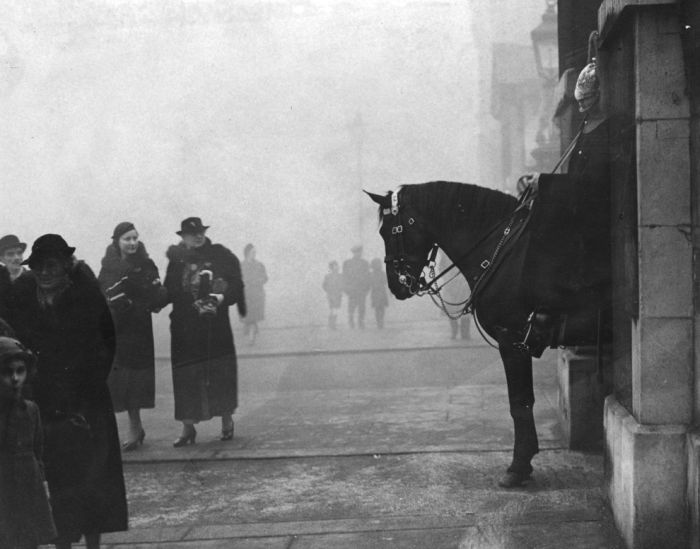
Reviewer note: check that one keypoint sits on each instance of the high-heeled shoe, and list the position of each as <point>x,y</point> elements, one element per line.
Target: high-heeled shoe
<point>131,445</point>
<point>184,440</point>
<point>227,434</point>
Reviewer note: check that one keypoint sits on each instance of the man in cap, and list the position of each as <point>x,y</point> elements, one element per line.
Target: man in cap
<point>356,283</point>
<point>203,280</point>
<point>11,255</point>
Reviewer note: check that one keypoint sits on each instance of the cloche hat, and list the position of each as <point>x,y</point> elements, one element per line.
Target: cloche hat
<point>49,245</point>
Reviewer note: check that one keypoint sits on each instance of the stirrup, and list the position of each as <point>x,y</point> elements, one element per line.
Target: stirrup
<point>539,334</point>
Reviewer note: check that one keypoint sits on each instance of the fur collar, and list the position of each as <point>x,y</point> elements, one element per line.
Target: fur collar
<point>113,260</point>
<point>179,252</point>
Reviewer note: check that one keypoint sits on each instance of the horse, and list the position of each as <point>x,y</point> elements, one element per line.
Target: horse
<point>491,238</point>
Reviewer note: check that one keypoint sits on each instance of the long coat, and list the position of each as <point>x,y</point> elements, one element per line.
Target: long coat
<point>205,371</point>
<point>25,513</point>
<point>356,279</point>
<point>132,380</point>
<point>568,263</point>
<point>74,341</point>
<point>254,278</point>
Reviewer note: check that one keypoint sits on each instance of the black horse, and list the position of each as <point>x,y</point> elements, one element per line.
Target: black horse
<point>519,294</point>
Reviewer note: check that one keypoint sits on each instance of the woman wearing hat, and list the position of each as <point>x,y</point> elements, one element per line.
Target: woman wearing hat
<point>131,283</point>
<point>61,314</point>
<point>203,280</point>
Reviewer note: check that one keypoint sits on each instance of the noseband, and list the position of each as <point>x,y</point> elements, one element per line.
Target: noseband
<point>397,257</point>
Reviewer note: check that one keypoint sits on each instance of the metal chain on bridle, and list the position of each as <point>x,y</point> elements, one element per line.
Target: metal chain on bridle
<point>420,285</point>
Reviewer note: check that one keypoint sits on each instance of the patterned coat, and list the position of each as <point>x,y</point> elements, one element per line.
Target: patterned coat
<point>205,371</point>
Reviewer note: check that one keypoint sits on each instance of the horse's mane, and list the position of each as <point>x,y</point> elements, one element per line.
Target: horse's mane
<point>452,202</point>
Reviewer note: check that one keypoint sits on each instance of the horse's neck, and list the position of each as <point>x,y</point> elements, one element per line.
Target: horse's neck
<point>468,244</point>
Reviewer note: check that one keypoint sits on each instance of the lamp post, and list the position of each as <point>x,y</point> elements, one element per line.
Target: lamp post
<point>545,44</point>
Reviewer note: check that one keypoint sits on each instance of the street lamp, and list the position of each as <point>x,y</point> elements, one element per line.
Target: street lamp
<point>545,43</point>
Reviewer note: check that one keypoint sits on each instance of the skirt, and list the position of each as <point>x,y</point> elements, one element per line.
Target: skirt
<point>132,388</point>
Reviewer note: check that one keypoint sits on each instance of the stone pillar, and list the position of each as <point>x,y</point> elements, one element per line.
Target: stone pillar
<point>647,451</point>
<point>580,398</point>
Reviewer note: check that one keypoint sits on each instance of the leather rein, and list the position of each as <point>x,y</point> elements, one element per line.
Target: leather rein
<point>417,284</point>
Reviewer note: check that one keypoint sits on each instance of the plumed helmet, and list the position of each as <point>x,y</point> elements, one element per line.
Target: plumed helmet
<point>11,348</point>
<point>587,90</point>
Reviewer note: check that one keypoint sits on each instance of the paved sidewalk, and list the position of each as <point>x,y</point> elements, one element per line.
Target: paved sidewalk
<point>320,339</point>
<point>363,440</point>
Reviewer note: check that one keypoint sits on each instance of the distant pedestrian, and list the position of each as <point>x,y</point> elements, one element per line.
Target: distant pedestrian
<point>356,285</point>
<point>60,313</point>
<point>25,513</point>
<point>11,255</point>
<point>254,280</point>
<point>203,280</point>
<point>333,286</point>
<point>378,297</point>
<point>130,280</point>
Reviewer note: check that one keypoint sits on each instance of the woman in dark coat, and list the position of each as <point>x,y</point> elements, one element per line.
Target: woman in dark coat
<point>132,285</point>
<point>254,279</point>
<point>203,280</point>
<point>61,314</point>
<point>25,512</point>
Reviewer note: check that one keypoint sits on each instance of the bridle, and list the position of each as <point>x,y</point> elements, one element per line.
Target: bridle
<point>400,261</point>
<point>417,284</point>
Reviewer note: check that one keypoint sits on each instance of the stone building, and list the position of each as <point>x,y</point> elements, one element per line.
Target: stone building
<point>649,58</point>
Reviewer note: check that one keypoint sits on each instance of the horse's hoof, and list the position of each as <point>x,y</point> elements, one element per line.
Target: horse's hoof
<point>513,480</point>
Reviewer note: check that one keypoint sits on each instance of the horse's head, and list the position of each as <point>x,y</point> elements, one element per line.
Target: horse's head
<point>406,243</point>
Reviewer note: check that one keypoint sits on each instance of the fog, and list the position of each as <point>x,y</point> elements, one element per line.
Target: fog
<point>265,119</point>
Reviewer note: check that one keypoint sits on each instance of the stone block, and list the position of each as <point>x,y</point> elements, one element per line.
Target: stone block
<point>665,272</point>
<point>696,366</point>
<point>694,488</point>
<point>663,172</point>
<point>647,481</point>
<point>580,398</point>
<point>660,85</point>
<point>662,370</point>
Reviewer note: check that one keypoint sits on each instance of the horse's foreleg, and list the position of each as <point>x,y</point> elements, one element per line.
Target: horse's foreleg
<point>521,397</point>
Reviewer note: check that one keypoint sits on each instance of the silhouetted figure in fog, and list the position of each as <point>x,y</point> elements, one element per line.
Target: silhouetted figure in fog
<point>356,284</point>
<point>130,280</point>
<point>378,296</point>
<point>333,286</point>
<point>203,280</point>
<point>60,313</point>
<point>254,280</point>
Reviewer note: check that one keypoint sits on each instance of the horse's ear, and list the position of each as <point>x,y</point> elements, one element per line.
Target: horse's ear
<point>379,199</point>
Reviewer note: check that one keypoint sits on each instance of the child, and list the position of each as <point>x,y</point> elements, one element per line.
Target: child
<point>25,513</point>
<point>333,286</point>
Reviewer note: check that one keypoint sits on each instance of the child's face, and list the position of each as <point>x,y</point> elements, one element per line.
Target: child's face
<point>13,374</point>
